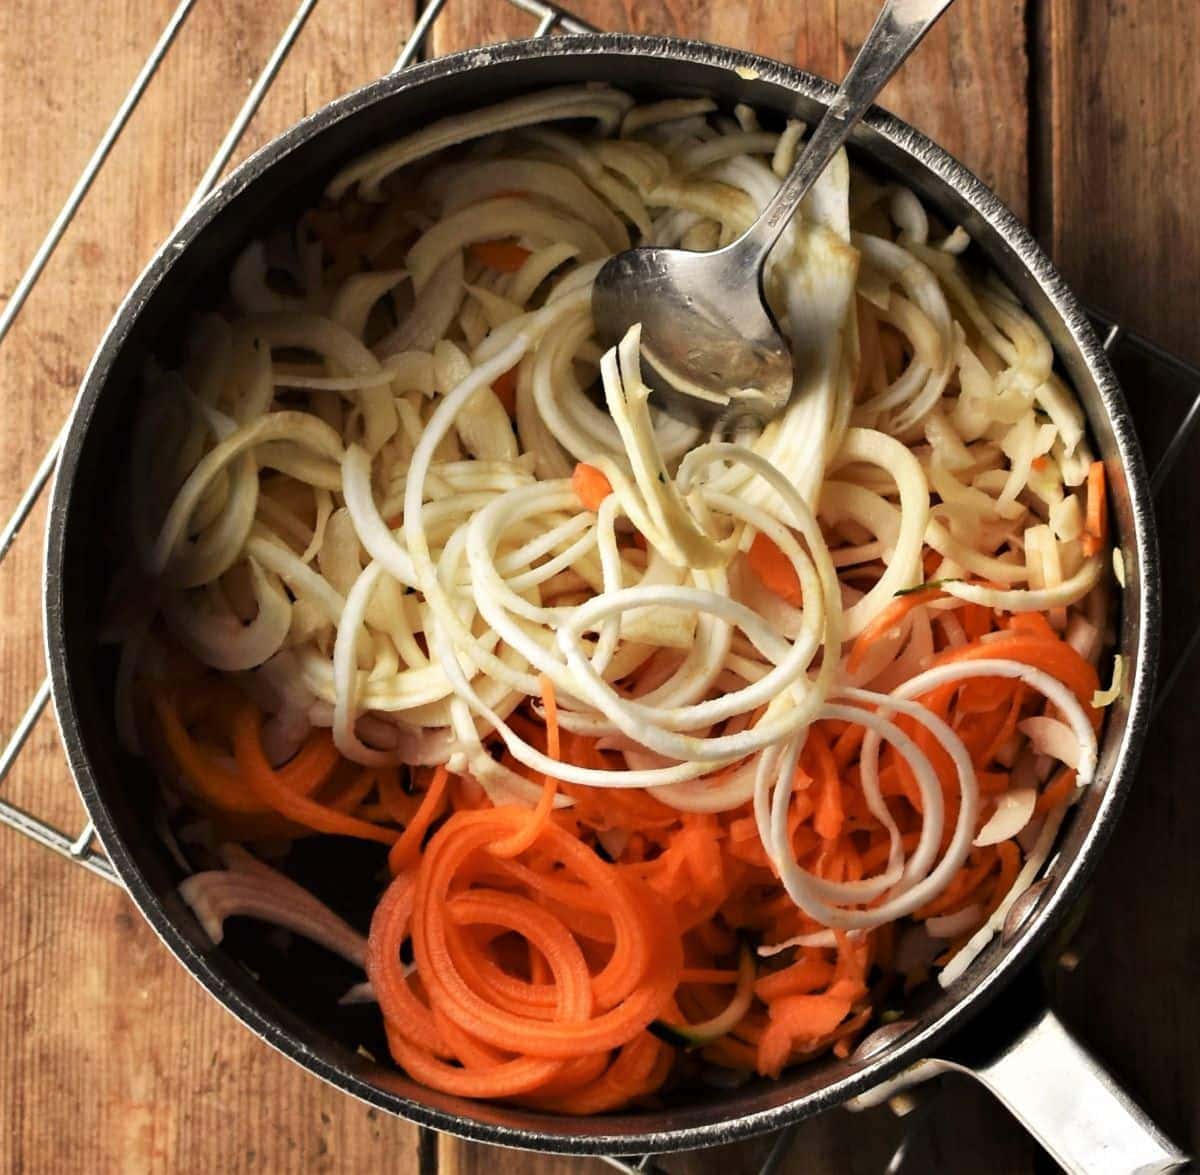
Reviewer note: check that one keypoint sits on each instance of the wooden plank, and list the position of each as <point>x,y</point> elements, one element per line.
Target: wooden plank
<point>1117,162</point>
<point>100,1083</point>
<point>965,88</point>
<point>114,1059</point>
<point>1120,147</point>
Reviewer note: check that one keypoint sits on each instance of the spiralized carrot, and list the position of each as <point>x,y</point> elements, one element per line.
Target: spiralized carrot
<point>217,784</point>
<point>407,847</point>
<point>579,1030</point>
<point>515,1037</point>
<point>220,783</point>
<point>266,784</point>
<point>1051,654</point>
<point>514,845</point>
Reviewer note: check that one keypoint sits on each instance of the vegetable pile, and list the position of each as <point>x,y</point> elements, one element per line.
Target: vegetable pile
<point>689,753</point>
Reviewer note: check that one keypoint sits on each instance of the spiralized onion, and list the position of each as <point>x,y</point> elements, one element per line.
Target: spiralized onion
<point>952,925</point>
<point>220,639</point>
<point>1048,736</point>
<point>1014,810</point>
<point>248,888</point>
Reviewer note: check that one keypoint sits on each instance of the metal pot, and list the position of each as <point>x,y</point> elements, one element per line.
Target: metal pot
<point>1039,1071</point>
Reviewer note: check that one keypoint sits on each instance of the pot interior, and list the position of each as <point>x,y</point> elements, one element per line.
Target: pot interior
<point>291,999</point>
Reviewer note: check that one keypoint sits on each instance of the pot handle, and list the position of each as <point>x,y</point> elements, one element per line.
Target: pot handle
<point>1057,1090</point>
<point>1071,1104</point>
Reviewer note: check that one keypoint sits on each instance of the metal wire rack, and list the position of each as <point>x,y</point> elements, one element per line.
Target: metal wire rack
<point>1167,423</point>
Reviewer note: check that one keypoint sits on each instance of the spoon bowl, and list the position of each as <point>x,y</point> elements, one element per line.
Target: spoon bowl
<point>710,346</point>
<point>711,359</point>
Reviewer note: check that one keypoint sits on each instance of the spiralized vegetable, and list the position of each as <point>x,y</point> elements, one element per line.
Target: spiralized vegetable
<point>673,741</point>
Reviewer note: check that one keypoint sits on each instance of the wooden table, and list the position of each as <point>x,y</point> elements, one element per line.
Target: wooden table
<point>1081,113</point>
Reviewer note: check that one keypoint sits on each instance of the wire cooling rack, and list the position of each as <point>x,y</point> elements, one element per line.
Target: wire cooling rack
<point>1166,422</point>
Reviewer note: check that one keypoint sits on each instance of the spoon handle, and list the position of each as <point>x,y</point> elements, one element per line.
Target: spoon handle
<point>896,33</point>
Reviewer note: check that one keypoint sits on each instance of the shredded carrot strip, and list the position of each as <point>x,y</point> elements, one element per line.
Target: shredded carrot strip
<point>506,256</point>
<point>1059,791</point>
<point>1095,534</point>
<point>505,388</point>
<point>829,814</point>
<point>590,485</point>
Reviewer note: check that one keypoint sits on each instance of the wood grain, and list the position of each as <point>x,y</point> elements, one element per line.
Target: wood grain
<point>1119,114</point>
<point>113,1059</point>
<point>1117,99</point>
<point>965,87</point>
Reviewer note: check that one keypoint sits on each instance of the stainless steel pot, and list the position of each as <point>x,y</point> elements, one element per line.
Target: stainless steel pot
<point>1037,1069</point>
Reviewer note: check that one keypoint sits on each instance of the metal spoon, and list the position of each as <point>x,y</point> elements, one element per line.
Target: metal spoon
<point>710,345</point>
